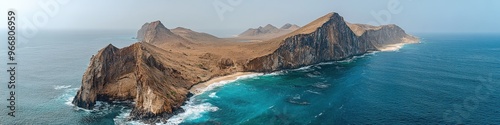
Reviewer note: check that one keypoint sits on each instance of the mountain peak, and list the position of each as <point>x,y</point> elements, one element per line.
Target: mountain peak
<point>157,25</point>
<point>314,25</point>
<point>152,28</point>
<point>268,31</point>
<point>286,26</point>
<point>110,46</point>
<point>156,32</point>
<point>269,26</point>
<point>290,26</point>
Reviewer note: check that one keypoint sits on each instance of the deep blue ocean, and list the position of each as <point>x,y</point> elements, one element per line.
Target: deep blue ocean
<point>445,79</point>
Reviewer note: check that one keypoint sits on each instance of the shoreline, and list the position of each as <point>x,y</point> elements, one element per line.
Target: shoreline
<point>392,47</point>
<point>202,87</point>
<point>397,46</point>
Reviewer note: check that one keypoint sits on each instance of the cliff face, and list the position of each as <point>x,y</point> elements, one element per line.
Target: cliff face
<point>160,88</point>
<point>137,72</point>
<point>386,35</point>
<point>329,40</point>
<point>141,32</point>
<point>110,76</point>
<point>157,72</point>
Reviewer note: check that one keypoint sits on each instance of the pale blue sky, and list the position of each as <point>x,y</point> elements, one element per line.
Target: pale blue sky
<point>476,16</point>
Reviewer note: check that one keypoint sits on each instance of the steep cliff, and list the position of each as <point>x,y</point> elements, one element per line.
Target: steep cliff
<point>108,77</point>
<point>137,72</point>
<point>328,38</point>
<point>157,72</point>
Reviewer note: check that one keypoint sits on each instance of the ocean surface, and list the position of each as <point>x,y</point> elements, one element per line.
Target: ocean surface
<point>445,79</point>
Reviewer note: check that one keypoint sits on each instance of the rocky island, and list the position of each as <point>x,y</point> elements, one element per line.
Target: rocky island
<point>158,72</point>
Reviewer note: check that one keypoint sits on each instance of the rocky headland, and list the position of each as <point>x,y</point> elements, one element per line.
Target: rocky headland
<point>158,72</point>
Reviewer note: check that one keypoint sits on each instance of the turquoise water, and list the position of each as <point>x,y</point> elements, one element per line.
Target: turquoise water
<point>50,69</point>
<point>446,79</point>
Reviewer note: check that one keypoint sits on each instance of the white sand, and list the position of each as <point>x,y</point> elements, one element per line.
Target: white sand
<point>201,87</point>
<point>392,47</point>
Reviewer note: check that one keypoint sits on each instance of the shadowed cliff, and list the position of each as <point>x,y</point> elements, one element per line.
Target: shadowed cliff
<point>328,38</point>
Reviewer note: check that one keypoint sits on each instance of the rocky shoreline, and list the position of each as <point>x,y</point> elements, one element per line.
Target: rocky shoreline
<point>159,72</point>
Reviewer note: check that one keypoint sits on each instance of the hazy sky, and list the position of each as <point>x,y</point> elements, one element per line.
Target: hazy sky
<point>235,16</point>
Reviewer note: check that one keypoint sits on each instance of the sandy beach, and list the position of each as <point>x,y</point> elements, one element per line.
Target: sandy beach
<point>392,47</point>
<point>201,87</point>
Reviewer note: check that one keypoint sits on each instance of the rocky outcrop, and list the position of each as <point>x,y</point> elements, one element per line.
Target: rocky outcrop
<point>108,77</point>
<point>157,72</point>
<point>137,73</point>
<point>386,35</point>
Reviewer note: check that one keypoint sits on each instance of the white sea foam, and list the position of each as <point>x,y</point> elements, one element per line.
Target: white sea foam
<point>318,115</point>
<point>276,73</point>
<point>321,85</point>
<point>270,107</point>
<point>312,75</point>
<point>296,97</point>
<point>326,63</point>
<point>213,95</point>
<point>61,87</point>
<point>352,59</point>
<point>68,96</point>
<point>304,69</point>
<point>122,119</point>
<point>192,111</point>
<point>314,92</point>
